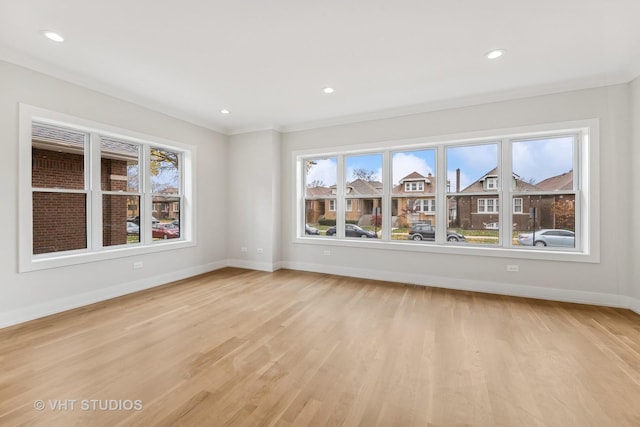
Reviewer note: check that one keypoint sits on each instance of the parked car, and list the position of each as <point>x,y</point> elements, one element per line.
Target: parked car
<point>133,228</point>
<point>311,230</point>
<point>164,231</point>
<point>549,237</point>
<point>136,220</point>
<point>428,232</point>
<point>352,230</point>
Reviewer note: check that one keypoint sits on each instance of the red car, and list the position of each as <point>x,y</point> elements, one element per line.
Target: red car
<point>164,231</point>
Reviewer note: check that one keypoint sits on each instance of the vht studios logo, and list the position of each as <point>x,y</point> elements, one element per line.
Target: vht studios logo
<point>88,405</point>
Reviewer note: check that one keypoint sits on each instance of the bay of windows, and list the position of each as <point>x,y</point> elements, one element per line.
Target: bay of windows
<point>491,191</point>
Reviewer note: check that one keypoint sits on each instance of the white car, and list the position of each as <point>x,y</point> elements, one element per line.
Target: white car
<point>549,237</point>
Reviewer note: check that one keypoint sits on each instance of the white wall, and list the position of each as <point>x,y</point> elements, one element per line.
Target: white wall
<point>29,295</point>
<point>608,282</point>
<point>254,200</point>
<point>634,224</point>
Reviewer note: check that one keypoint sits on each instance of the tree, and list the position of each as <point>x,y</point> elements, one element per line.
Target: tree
<point>409,209</point>
<point>364,174</point>
<point>316,183</point>
<point>164,169</point>
<point>564,214</point>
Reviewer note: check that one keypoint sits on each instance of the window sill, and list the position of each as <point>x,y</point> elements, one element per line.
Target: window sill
<point>465,249</point>
<point>71,259</point>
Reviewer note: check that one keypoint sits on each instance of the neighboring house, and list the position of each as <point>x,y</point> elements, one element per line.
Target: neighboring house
<point>480,209</point>
<point>413,199</point>
<point>164,205</point>
<point>317,203</point>
<point>361,199</point>
<point>558,210</point>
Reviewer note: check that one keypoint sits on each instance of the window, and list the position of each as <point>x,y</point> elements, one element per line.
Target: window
<point>332,205</point>
<point>414,186</point>
<point>363,186</point>
<point>425,205</point>
<point>470,167</point>
<point>488,205</point>
<point>412,171</point>
<point>95,191</point>
<point>490,191</point>
<point>517,205</point>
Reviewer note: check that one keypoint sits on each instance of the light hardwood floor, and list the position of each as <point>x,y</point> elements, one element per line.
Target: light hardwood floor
<point>238,347</point>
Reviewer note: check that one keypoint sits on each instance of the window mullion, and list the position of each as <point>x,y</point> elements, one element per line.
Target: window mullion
<point>505,193</point>
<point>386,196</point>
<point>94,197</point>
<point>145,204</point>
<point>340,191</point>
<point>442,214</point>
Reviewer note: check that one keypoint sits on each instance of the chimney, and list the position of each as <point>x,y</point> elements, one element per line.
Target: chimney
<point>458,180</point>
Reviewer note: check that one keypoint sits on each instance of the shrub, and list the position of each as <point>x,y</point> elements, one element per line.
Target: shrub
<point>325,221</point>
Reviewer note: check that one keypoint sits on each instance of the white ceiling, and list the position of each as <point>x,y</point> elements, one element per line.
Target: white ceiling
<point>268,61</point>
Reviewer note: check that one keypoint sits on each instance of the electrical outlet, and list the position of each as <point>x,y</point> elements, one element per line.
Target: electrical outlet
<point>513,268</point>
<point>260,250</point>
<point>327,253</point>
<point>243,249</point>
<point>138,264</point>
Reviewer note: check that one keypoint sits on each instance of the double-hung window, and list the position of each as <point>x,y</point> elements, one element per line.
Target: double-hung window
<point>98,193</point>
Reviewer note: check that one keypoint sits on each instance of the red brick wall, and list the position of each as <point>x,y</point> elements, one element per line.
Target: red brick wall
<point>114,208</point>
<point>59,219</point>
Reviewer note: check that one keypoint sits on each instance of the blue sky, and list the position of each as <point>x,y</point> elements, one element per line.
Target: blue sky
<point>532,160</point>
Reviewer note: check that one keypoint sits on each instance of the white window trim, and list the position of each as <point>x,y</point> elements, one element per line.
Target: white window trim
<point>485,201</point>
<point>587,180</point>
<point>332,202</point>
<point>29,262</point>
<point>409,184</point>
<point>521,206</point>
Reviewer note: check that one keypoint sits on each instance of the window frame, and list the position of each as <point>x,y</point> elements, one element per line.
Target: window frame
<point>95,250</point>
<point>586,174</point>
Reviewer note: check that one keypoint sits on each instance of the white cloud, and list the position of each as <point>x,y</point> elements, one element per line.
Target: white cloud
<point>406,163</point>
<point>539,160</point>
<point>325,171</point>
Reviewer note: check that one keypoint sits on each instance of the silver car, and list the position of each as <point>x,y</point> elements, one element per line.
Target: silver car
<point>549,237</point>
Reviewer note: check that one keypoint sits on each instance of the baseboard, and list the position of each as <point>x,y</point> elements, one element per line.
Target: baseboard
<point>254,265</point>
<point>564,295</point>
<point>634,304</point>
<point>63,304</point>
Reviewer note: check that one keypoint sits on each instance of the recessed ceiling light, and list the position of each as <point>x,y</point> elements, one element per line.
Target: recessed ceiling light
<point>495,54</point>
<point>53,36</point>
<point>328,90</point>
<point>224,111</point>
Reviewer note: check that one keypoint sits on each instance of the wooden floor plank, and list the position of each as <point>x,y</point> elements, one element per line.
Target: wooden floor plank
<point>237,347</point>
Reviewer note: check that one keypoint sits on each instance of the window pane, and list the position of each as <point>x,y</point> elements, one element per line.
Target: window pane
<point>59,222</point>
<point>119,227</point>
<point>166,208</point>
<point>320,186</point>
<point>364,184</point>
<point>119,165</point>
<point>165,171</point>
<point>165,230</point>
<point>57,158</point>
<point>473,209</point>
<point>413,193</point>
<point>543,164</point>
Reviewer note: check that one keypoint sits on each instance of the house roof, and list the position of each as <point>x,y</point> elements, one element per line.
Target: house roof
<point>413,177</point>
<point>563,181</point>
<point>318,191</point>
<point>477,186</point>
